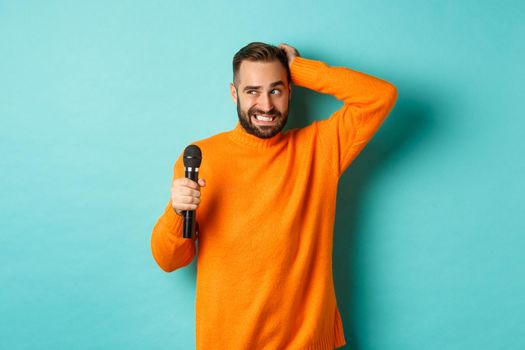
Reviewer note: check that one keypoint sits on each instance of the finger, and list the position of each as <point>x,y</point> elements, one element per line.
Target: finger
<point>181,207</point>
<point>186,191</point>
<point>186,182</point>
<point>287,48</point>
<point>177,187</point>
<point>290,50</point>
<point>186,200</point>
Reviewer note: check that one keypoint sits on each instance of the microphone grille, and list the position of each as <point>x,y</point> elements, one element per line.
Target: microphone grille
<point>192,156</point>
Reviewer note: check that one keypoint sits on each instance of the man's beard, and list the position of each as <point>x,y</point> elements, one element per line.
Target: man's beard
<point>262,131</point>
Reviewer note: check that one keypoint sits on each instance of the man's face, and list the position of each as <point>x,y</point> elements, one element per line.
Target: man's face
<point>262,94</point>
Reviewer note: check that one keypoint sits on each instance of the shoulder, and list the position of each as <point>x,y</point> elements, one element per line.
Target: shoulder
<point>303,134</point>
<point>212,142</point>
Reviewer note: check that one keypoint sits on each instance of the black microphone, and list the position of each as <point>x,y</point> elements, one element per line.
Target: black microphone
<point>192,161</point>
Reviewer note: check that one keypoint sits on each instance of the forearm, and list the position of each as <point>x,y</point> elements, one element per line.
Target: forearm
<point>367,102</point>
<point>170,250</point>
<point>354,88</point>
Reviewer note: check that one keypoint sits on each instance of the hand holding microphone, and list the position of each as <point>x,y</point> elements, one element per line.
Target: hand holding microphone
<point>185,194</point>
<point>185,191</point>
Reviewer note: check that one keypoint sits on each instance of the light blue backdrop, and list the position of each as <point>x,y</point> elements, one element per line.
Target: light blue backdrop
<point>97,98</point>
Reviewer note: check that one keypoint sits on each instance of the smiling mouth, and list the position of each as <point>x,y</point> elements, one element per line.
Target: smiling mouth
<point>262,119</point>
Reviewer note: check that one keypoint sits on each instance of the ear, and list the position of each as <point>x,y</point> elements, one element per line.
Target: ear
<point>233,92</point>
<point>289,92</point>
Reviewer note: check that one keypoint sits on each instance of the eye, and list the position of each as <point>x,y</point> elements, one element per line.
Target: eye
<point>276,92</point>
<point>251,92</point>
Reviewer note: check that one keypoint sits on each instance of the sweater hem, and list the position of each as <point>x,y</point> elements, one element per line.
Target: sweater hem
<point>330,341</point>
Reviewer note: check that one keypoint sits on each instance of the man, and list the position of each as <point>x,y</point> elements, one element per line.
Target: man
<point>266,215</point>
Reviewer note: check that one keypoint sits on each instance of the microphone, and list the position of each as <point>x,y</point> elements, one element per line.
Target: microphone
<point>192,161</point>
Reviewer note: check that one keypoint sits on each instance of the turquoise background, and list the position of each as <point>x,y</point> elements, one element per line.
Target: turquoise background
<point>97,99</point>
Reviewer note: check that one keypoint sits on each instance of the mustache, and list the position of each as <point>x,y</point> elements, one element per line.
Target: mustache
<point>274,112</point>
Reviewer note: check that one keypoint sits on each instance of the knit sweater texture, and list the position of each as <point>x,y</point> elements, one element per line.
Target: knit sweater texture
<point>266,219</point>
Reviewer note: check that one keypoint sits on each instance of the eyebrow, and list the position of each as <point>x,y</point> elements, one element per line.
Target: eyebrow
<point>258,87</point>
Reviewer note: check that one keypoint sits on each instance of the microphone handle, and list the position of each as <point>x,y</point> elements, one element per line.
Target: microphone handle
<point>188,230</point>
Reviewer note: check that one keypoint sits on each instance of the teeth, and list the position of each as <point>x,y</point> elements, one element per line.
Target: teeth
<point>266,119</point>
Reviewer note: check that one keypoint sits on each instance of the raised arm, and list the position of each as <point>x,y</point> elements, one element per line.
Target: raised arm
<point>367,102</point>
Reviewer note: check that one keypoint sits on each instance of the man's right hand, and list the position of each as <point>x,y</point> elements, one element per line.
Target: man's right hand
<point>186,194</point>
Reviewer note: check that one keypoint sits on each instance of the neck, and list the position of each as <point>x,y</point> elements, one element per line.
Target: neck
<point>240,135</point>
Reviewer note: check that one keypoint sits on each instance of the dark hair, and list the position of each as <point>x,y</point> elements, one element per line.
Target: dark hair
<point>257,51</point>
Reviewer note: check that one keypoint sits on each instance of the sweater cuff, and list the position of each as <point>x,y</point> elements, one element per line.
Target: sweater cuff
<point>173,222</point>
<point>305,72</point>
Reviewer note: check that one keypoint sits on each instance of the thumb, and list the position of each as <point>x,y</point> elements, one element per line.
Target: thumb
<point>202,182</point>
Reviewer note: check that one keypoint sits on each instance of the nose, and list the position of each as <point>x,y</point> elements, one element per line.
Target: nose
<point>265,102</point>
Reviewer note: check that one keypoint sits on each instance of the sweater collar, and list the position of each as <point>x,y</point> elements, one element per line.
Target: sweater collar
<point>241,136</point>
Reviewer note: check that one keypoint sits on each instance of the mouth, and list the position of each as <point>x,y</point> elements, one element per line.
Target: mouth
<point>263,119</point>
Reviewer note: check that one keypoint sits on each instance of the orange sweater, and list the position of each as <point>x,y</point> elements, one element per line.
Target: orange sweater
<point>264,266</point>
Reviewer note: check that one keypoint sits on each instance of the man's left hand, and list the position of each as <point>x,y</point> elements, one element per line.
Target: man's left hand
<point>291,53</point>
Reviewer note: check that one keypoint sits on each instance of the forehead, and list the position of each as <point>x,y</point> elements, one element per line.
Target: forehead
<point>261,73</point>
